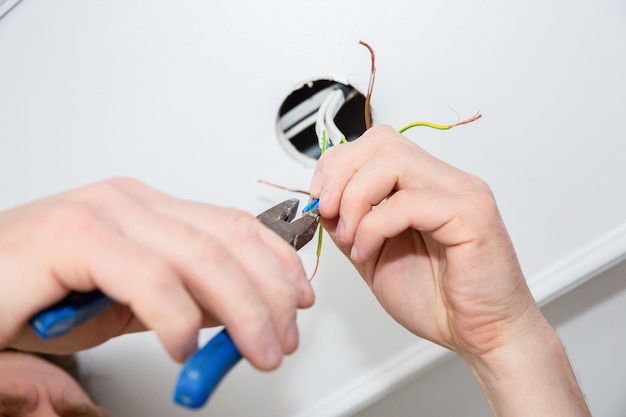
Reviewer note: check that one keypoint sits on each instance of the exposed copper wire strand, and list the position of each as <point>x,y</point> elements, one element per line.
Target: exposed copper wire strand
<point>317,264</point>
<point>282,187</point>
<point>470,120</point>
<point>370,87</point>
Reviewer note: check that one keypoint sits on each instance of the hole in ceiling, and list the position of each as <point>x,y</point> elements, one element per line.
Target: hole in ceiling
<point>299,111</point>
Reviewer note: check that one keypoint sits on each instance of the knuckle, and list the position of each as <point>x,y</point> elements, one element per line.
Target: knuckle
<point>233,214</point>
<point>186,324</point>
<point>161,276</point>
<point>480,205</point>
<point>124,187</point>
<point>393,149</point>
<point>211,249</point>
<point>287,295</point>
<point>478,184</point>
<point>243,224</point>
<point>124,182</point>
<point>465,182</point>
<point>71,217</point>
<point>383,131</point>
<point>254,313</point>
<point>381,134</point>
<point>242,218</point>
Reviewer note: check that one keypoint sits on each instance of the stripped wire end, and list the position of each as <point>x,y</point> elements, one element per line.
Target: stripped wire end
<point>320,233</point>
<point>475,117</point>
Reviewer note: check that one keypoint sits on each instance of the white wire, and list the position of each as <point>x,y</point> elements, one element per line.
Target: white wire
<point>320,124</point>
<point>335,104</point>
<point>325,118</point>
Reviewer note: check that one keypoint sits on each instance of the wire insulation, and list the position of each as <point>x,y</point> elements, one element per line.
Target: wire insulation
<point>370,87</point>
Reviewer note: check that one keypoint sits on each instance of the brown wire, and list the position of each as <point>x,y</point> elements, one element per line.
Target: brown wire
<point>370,87</point>
<point>282,187</point>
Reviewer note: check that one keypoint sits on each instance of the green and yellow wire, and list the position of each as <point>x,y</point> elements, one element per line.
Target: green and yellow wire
<point>438,126</point>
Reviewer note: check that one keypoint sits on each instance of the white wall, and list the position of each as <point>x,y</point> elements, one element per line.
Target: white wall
<point>184,95</point>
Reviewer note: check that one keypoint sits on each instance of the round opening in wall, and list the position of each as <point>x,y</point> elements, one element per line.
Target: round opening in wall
<point>318,110</point>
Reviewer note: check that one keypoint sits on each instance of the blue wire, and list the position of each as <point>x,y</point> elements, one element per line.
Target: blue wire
<point>313,204</point>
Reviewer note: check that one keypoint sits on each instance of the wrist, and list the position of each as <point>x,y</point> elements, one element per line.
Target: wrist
<point>530,375</point>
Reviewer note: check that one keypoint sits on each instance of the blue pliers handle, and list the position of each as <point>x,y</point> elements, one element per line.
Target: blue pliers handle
<point>203,372</point>
<point>75,309</point>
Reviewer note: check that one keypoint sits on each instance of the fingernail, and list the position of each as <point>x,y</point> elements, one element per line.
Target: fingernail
<point>354,253</point>
<point>340,230</point>
<point>316,185</point>
<point>323,194</point>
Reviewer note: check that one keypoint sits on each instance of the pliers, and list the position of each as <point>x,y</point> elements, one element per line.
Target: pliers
<point>202,372</point>
<point>205,369</point>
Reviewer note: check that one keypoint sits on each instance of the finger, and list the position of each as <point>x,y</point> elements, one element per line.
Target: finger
<point>255,299</point>
<point>95,256</point>
<point>337,166</point>
<point>239,228</point>
<point>450,218</point>
<point>231,273</point>
<point>200,216</point>
<point>397,164</point>
<point>256,248</point>
<point>367,188</point>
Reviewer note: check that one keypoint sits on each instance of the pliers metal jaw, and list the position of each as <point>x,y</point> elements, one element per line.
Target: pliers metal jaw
<point>297,233</point>
<point>205,369</point>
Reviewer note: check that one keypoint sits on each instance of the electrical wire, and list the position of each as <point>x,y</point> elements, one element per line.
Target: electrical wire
<point>325,112</point>
<point>325,121</point>
<point>336,102</point>
<point>370,87</point>
<point>438,126</point>
<point>320,122</point>
<point>282,187</point>
<point>326,129</point>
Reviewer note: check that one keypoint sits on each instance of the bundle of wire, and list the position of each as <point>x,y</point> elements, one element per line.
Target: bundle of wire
<point>326,129</point>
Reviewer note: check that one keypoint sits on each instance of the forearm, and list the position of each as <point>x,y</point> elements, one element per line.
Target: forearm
<point>530,377</point>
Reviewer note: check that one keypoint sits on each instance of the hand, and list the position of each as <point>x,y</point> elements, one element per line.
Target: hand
<point>426,237</point>
<point>429,241</point>
<point>173,266</point>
